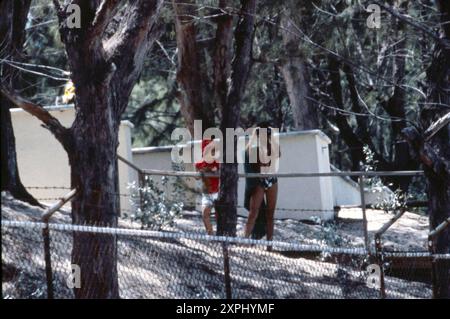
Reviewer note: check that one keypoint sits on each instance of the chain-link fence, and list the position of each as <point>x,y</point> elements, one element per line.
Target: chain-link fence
<point>181,265</point>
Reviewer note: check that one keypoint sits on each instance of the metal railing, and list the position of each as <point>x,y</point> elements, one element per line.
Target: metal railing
<point>345,279</point>
<point>360,174</point>
<point>380,255</point>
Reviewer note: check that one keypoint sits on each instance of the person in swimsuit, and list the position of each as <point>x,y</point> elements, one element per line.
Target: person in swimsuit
<point>260,192</point>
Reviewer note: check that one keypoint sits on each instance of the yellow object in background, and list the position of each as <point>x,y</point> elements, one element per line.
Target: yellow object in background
<point>69,92</point>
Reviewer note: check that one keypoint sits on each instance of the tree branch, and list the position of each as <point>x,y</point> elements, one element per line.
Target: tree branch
<point>222,56</point>
<point>103,16</point>
<point>242,61</point>
<point>193,94</point>
<point>51,123</point>
<point>58,7</point>
<point>437,126</point>
<point>127,44</point>
<point>353,140</point>
<point>425,152</point>
<point>363,123</point>
<point>411,22</point>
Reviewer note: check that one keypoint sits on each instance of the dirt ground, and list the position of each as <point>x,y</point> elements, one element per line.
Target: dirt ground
<point>409,233</point>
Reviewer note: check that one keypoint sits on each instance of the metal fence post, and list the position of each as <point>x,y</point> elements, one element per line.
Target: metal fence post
<point>46,236</point>
<point>379,248</point>
<point>363,207</point>
<point>433,265</point>
<point>48,261</point>
<point>432,249</point>
<point>380,260</point>
<point>226,271</point>
<point>141,181</point>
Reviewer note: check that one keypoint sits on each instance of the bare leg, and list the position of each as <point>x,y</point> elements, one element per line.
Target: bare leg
<point>271,195</point>
<point>255,203</point>
<point>207,220</point>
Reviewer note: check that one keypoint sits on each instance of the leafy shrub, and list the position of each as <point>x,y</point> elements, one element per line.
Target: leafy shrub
<point>151,206</point>
<point>394,200</point>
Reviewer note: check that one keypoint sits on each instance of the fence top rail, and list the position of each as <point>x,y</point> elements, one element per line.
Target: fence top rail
<point>188,236</point>
<point>152,172</point>
<point>214,239</point>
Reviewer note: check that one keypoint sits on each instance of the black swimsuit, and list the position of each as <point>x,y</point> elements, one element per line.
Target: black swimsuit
<point>268,182</point>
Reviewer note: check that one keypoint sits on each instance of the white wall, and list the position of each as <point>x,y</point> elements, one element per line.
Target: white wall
<point>159,158</point>
<point>302,152</point>
<point>43,162</point>
<point>347,193</point>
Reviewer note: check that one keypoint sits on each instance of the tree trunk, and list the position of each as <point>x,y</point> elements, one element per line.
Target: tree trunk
<point>227,202</point>
<point>194,97</point>
<point>104,70</point>
<point>197,102</point>
<point>222,57</point>
<point>432,147</point>
<point>13,17</point>
<point>93,161</point>
<point>350,138</point>
<point>438,179</point>
<point>439,210</point>
<point>396,105</point>
<point>295,74</point>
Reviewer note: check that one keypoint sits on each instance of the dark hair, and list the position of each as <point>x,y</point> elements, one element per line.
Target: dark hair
<point>264,124</point>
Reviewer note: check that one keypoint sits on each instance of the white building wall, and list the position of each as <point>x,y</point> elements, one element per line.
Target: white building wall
<point>304,152</point>
<point>346,192</point>
<point>325,183</point>
<point>43,162</point>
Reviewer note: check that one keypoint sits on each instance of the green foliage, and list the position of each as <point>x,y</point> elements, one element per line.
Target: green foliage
<point>151,205</point>
<point>43,47</point>
<point>325,28</point>
<point>390,202</point>
<point>330,235</point>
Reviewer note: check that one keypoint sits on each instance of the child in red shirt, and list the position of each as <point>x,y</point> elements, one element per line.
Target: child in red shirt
<point>210,184</point>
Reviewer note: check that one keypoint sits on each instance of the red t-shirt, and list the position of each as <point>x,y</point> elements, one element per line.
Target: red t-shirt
<point>213,182</point>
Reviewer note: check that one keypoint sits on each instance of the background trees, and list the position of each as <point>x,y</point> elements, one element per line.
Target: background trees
<point>218,84</point>
<point>294,67</point>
